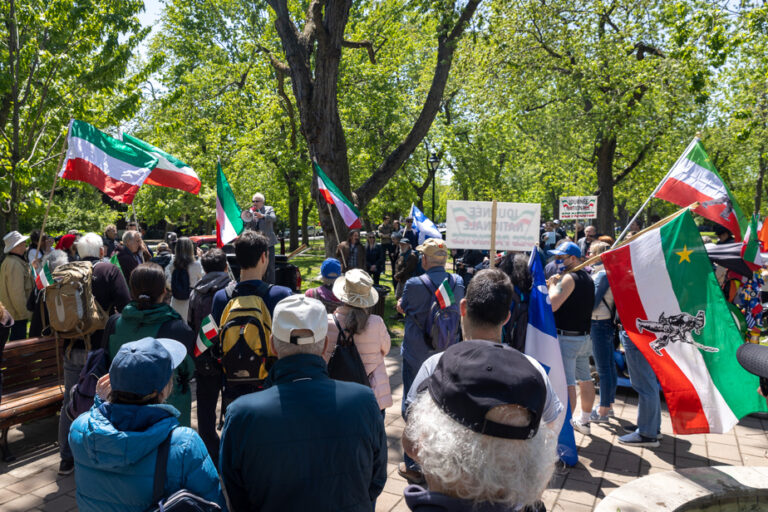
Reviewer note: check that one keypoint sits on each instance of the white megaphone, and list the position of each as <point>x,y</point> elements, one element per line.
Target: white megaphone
<point>247,216</point>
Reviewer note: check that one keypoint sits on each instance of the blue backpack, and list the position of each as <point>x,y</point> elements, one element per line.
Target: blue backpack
<point>441,330</point>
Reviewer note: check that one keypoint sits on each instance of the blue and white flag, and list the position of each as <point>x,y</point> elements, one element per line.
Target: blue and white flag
<point>423,226</point>
<point>541,344</point>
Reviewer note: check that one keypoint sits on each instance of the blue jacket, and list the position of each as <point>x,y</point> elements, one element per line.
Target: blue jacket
<point>417,301</point>
<point>601,286</point>
<point>307,442</point>
<point>115,449</point>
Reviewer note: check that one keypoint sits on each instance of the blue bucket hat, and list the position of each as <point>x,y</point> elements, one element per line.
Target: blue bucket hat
<point>145,366</point>
<point>566,249</point>
<point>331,268</point>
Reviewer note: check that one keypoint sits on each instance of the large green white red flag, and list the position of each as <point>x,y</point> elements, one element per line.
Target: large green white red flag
<point>672,308</point>
<point>228,222</point>
<point>694,178</point>
<point>108,164</point>
<point>170,171</point>
<point>750,249</point>
<point>333,195</point>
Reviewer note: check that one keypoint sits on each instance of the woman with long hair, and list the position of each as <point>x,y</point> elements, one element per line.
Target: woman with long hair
<point>148,315</point>
<point>603,332</point>
<point>182,274</point>
<point>355,291</point>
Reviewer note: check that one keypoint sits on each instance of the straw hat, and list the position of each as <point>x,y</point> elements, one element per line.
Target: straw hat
<point>355,288</point>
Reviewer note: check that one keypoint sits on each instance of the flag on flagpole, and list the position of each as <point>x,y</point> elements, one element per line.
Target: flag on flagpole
<point>444,294</point>
<point>332,195</point>
<point>750,250</point>
<point>113,260</point>
<point>44,277</point>
<point>207,332</point>
<point>229,225</point>
<point>169,170</point>
<point>108,164</point>
<point>694,178</point>
<point>424,227</point>
<point>673,309</point>
<point>541,344</point>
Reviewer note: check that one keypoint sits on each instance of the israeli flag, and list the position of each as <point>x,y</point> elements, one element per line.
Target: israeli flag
<point>541,344</point>
<point>423,226</point>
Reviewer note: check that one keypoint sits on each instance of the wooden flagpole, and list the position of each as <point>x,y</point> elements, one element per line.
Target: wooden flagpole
<point>492,252</point>
<point>64,148</point>
<point>336,232</point>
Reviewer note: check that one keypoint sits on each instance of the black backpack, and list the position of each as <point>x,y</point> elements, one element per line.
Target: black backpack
<point>345,363</point>
<point>81,394</point>
<point>180,283</point>
<point>180,501</point>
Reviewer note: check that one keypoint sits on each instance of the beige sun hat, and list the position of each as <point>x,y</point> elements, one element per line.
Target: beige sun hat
<point>13,239</point>
<point>355,288</point>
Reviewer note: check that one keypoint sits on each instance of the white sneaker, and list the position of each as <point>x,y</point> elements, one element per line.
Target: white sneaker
<point>581,427</point>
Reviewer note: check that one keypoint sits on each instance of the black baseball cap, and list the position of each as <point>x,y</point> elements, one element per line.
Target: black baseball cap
<point>473,377</point>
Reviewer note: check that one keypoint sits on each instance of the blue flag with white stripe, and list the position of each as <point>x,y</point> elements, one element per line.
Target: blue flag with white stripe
<point>424,227</point>
<point>541,344</point>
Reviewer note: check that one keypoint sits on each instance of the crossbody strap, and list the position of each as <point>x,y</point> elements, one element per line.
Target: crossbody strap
<point>158,489</point>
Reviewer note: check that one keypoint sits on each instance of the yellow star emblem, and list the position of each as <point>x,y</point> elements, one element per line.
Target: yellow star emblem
<point>685,254</point>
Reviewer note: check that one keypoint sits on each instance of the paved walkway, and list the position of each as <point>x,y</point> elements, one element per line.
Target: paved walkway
<point>31,482</point>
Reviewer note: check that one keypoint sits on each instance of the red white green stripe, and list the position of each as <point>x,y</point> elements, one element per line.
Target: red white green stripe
<point>108,164</point>
<point>169,171</point>
<point>43,278</point>
<point>667,272</point>
<point>694,178</point>
<point>750,250</point>
<point>208,331</point>
<point>228,222</point>
<point>444,294</point>
<point>333,195</point>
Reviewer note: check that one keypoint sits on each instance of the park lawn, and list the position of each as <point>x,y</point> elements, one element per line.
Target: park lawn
<point>309,263</point>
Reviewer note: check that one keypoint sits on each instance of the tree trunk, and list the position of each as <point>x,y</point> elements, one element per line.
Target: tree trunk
<point>306,209</point>
<point>606,152</point>
<point>762,167</point>
<point>293,219</point>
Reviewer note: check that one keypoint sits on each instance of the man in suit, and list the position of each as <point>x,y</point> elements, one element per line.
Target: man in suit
<point>264,221</point>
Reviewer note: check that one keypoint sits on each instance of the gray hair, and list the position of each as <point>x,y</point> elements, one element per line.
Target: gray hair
<point>129,236</point>
<point>285,349</point>
<point>258,195</point>
<point>89,245</point>
<point>479,467</point>
<point>55,258</point>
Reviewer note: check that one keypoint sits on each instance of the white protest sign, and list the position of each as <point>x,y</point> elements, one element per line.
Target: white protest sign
<point>578,207</point>
<point>468,225</point>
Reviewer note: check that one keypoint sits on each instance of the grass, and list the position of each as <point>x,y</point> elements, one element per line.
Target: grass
<point>309,263</point>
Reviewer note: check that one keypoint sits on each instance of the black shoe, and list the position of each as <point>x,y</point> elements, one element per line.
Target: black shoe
<point>396,316</point>
<point>66,467</point>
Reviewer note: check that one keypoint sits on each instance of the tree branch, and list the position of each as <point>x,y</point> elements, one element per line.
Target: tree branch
<point>362,44</point>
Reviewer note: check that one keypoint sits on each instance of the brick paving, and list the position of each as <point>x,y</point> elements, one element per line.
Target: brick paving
<point>31,483</point>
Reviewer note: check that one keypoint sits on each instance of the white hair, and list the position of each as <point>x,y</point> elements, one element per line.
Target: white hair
<point>89,245</point>
<point>129,236</point>
<point>285,349</point>
<point>258,195</point>
<point>55,258</point>
<point>481,468</point>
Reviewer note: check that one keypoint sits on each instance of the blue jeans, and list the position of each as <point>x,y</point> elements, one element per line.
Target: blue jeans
<point>644,382</point>
<point>409,373</point>
<point>602,350</point>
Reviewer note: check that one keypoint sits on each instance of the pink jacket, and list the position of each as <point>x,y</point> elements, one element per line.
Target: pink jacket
<point>372,344</point>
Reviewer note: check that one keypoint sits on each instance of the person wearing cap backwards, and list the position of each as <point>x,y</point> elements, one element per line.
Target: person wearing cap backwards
<point>330,270</point>
<point>474,429</point>
<point>415,305</point>
<point>484,311</point>
<point>572,296</point>
<point>116,443</point>
<point>16,284</point>
<point>306,442</point>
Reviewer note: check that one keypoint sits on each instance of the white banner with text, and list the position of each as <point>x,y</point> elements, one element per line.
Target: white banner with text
<point>468,225</point>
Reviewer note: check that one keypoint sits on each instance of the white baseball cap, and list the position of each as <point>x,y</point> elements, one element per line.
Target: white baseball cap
<point>299,312</point>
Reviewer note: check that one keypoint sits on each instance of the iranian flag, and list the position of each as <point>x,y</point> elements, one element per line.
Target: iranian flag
<point>228,222</point>
<point>333,195</point>
<point>113,260</point>
<point>444,294</point>
<point>674,312</point>
<point>750,250</point>
<point>694,178</point>
<point>108,164</point>
<point>208,331</point>
<point>43,278</point>
<point>170,171</point>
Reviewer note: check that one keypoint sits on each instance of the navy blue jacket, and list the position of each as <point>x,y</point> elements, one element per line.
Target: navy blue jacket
<point>307,442</point>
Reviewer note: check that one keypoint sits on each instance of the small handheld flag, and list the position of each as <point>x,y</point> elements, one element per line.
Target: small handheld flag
<point>208,331</point>
<point>43,278</point>
<point>444,294</point>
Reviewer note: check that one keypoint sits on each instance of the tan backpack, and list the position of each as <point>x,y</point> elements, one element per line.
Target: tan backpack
<point>73,312</point>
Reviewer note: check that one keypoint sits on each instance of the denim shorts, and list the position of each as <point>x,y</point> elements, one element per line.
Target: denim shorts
<point>576,351</point>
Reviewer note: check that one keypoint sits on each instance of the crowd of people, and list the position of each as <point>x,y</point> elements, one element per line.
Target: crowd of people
<point>302,377</point>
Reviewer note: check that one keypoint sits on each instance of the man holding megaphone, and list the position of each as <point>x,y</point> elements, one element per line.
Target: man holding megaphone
<point>261,217</point>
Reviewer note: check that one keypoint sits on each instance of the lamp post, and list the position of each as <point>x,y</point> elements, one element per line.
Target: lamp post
<point>433,162</point>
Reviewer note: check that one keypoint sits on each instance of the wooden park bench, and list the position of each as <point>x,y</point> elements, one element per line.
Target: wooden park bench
<point>32,387</point>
